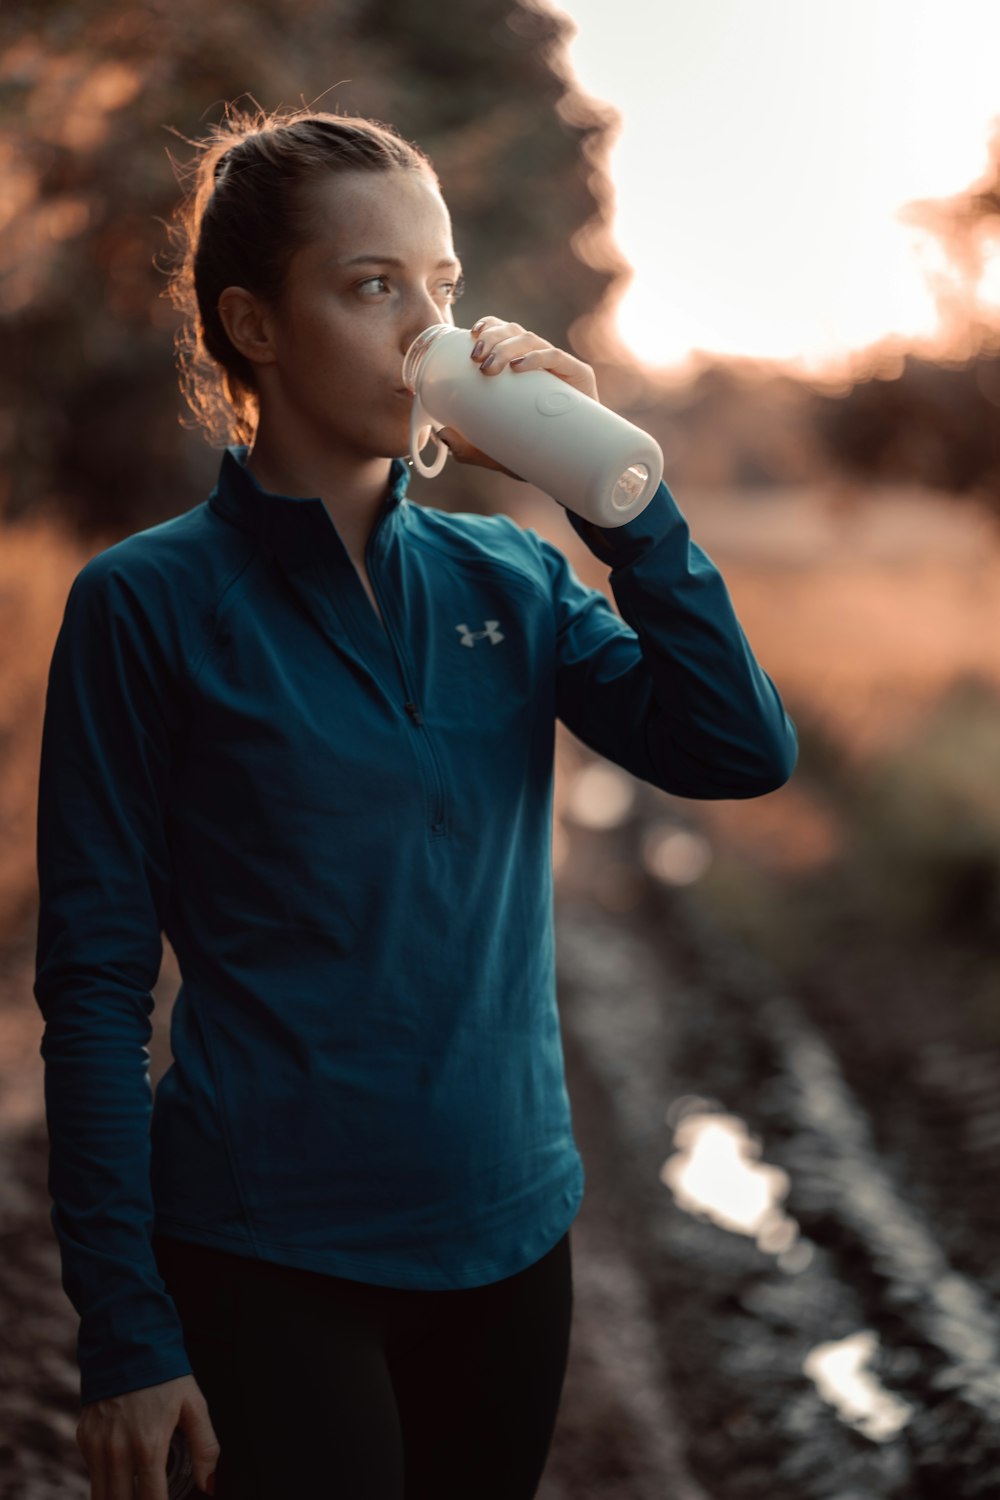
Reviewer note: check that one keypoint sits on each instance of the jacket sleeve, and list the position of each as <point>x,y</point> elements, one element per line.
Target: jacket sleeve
<point>670,690</point>
<point>103,888</point>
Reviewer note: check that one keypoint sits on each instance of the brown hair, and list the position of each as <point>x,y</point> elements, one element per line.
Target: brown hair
<point>244,214</point>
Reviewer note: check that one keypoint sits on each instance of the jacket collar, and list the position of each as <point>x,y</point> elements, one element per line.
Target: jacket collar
<point>289,525</point>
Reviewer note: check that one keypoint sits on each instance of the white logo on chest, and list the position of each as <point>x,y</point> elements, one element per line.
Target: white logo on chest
<point>491,632</point>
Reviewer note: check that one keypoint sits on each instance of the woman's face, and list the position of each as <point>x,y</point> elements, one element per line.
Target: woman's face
<point>349,312</point>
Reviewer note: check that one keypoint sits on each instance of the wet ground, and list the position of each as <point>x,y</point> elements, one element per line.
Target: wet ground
<point>793,1187</point>
<point>782,1290</point>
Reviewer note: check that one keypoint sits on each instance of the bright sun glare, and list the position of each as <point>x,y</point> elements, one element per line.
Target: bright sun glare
<point>764,155</point>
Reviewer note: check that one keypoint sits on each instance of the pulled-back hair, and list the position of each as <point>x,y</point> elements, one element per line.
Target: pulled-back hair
<point>246,210</point>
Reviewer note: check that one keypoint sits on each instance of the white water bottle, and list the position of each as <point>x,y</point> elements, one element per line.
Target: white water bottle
<point>587,457</point>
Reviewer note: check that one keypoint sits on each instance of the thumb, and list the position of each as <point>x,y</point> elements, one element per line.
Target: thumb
<point>465,452</point>
<point>202,1442</point>
<point>458,446</point>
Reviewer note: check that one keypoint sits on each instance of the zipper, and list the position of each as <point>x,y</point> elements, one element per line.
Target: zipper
<point>416,717</point>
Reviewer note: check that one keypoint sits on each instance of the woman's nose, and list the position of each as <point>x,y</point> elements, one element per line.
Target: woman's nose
<point>427,311</point>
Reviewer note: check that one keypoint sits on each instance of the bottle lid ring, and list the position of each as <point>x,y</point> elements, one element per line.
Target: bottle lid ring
<point>417,350</point>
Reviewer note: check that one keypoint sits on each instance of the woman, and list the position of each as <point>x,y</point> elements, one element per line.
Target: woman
<point>306,728</point>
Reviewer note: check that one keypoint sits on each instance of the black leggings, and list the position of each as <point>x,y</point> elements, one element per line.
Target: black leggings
<point>321,1388</point>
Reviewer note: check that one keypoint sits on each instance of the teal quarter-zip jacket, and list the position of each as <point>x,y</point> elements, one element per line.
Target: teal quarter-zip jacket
<point>344,829</point>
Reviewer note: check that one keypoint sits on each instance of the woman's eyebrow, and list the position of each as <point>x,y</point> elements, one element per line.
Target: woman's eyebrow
<point>390,260</point>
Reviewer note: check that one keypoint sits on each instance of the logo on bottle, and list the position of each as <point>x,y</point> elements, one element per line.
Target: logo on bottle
<point>490,632</point>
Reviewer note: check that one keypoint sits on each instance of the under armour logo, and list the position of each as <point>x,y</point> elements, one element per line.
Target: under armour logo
<point>491,633</point>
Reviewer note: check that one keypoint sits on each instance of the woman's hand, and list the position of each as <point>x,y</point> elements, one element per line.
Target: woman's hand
<point>130,1434</point>
<point>495,346</point>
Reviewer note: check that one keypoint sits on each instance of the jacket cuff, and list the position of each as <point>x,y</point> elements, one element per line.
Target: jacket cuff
<point>100,1379</point>
<point>620,545</point>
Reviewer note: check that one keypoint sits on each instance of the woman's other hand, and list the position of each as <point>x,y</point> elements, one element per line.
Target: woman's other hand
<point>129,1435</point>
<point>495,346</point>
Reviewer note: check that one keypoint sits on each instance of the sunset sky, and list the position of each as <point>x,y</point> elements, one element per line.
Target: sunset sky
<point>766,149</point>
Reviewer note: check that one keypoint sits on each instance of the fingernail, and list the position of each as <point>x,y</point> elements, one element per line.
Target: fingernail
<point>520,358</point>
<point>486,362</point>
<point>477,351</point>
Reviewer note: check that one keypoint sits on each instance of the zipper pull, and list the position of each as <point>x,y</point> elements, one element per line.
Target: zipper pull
<point>414,713</point>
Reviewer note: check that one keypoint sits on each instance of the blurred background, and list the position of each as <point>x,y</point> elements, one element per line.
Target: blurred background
<point>774,231</point>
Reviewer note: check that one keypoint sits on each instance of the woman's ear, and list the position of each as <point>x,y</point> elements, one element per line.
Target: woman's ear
<point>247,324</point>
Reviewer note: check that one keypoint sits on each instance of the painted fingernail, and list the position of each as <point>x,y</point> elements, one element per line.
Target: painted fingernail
<point>519,360</point>
<point>477,351</point>
<point>486,362</point>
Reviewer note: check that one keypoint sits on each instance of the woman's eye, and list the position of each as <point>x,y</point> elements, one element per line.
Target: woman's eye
<point>452,289</point>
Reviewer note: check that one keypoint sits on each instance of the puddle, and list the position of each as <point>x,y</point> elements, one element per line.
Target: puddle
<point>716,1172</point>
<point>839,1373</point>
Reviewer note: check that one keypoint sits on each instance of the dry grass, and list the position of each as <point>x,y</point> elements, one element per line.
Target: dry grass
<point>864,611</point>
<point>37,566</point>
